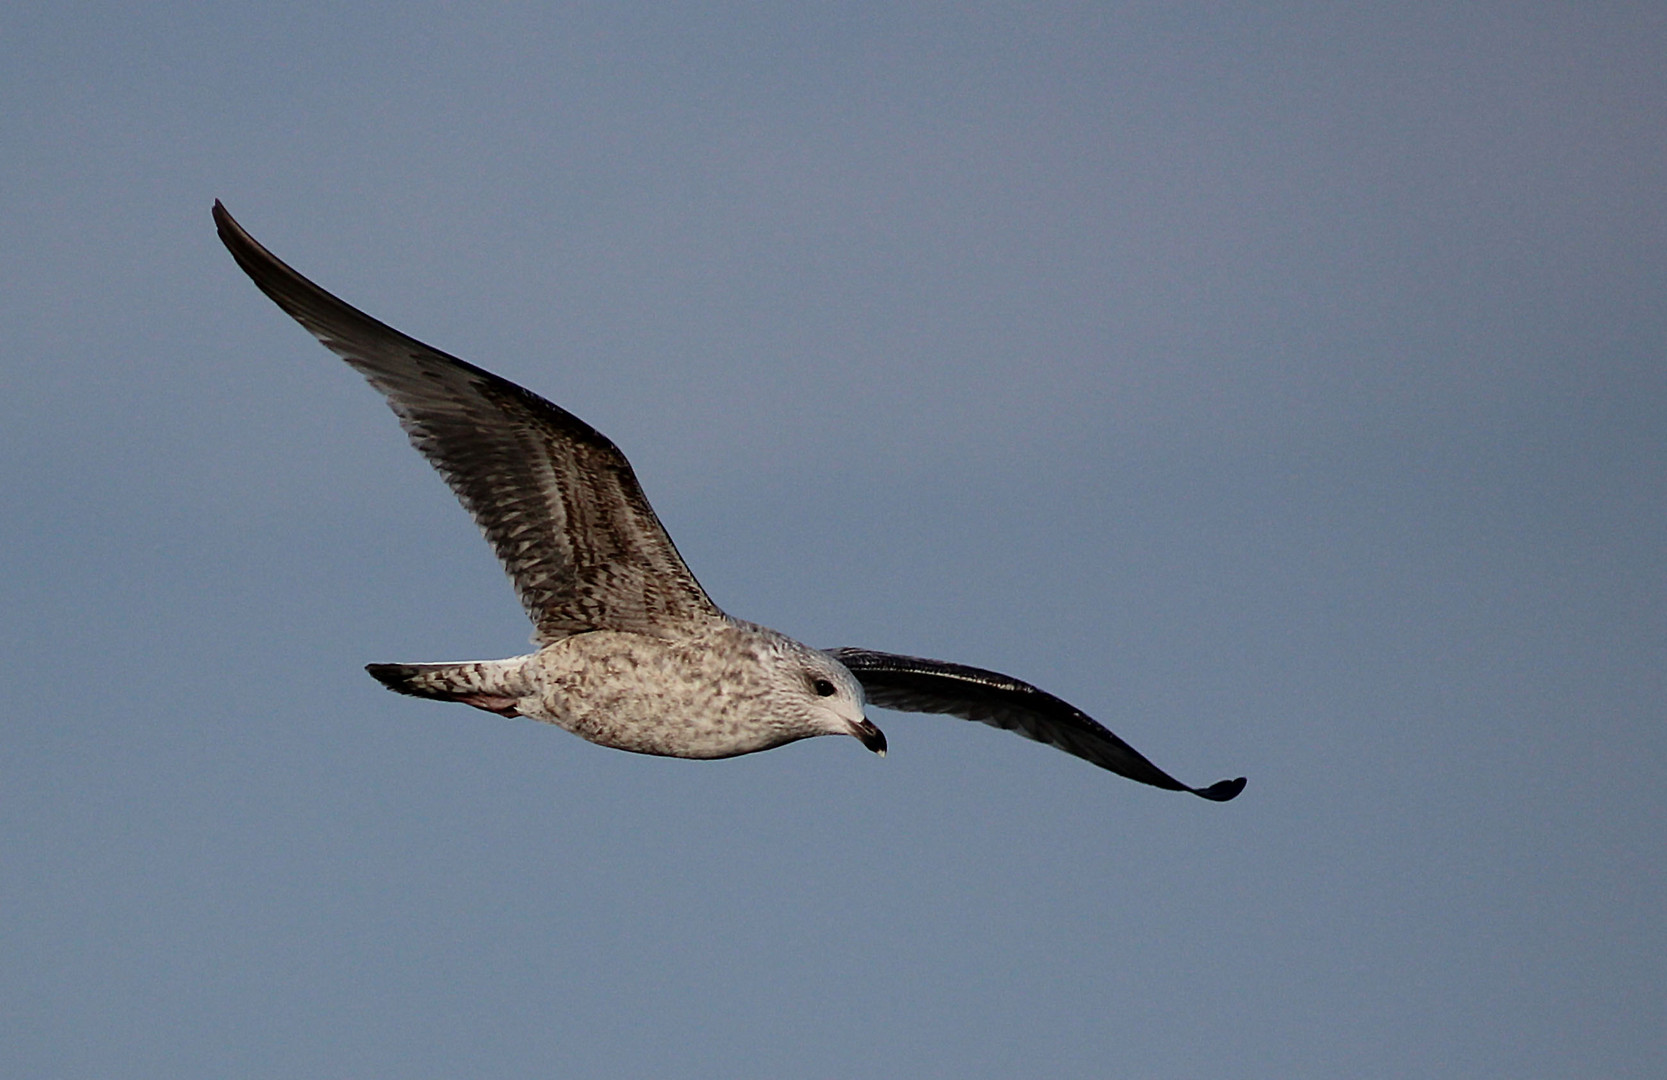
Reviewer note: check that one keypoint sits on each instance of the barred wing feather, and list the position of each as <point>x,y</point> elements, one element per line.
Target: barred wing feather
<point>556,499</point>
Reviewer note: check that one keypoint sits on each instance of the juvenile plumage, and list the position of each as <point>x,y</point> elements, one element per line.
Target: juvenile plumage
<point>632,652</point>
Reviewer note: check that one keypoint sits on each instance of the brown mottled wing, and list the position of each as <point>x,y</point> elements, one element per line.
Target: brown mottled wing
<point>556,499</point>
<point>912,684</point>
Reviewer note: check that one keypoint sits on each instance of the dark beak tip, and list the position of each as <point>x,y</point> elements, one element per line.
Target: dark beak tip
<point>872,737</point>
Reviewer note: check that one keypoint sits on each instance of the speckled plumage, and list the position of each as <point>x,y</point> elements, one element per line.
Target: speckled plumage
<point>632,652</point>
<point>732,688</point>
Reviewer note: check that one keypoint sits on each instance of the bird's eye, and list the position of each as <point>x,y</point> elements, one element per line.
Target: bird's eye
<point>823,688</point>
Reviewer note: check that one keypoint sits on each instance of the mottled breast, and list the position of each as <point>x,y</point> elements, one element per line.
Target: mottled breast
<point>707,696</point>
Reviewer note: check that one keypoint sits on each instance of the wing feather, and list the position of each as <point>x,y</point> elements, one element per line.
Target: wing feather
<point>555,498</point>
<point>914,684</point>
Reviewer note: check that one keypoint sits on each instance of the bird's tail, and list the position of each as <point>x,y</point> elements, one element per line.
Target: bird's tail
<point>497,686</point>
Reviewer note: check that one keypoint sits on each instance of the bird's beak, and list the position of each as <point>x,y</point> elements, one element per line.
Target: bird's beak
<point>871,736</point>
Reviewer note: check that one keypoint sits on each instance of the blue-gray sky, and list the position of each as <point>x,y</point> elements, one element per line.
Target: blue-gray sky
<point>1284,384</point>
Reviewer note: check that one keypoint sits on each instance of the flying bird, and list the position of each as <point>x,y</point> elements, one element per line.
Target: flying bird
<point>632,653</point>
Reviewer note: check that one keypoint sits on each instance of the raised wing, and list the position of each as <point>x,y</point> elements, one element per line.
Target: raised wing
<point>912,684</point>
<point>556,499</point>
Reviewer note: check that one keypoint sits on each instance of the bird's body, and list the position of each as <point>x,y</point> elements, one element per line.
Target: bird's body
<point>632,652</point>
<point>730,688</point>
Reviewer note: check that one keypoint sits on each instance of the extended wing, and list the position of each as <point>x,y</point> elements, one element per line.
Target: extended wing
<point>913,684</point>
<point>556,499</point>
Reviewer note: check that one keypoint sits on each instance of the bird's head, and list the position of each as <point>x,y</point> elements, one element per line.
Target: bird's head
<point>820,696</point>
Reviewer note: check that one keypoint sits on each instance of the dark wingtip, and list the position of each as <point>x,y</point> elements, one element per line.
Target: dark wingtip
<point>242,246</point>
<point>1221,791</point>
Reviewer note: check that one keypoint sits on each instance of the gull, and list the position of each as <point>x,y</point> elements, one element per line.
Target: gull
<point>632,653</point>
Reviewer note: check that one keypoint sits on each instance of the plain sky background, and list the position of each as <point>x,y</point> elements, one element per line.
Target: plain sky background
<point>1284,384</point>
